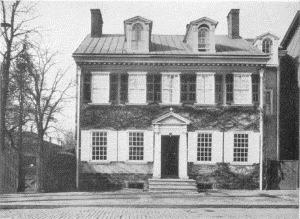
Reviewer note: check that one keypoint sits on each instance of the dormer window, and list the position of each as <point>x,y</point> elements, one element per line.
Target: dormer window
<point>203,38</point>
<point>136,40</point>
<point>267,45</point>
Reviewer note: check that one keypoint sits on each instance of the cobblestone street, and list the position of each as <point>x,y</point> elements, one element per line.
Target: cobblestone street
<point>134,213</point>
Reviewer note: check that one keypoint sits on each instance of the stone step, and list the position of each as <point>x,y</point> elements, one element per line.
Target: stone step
<point>172,185</point>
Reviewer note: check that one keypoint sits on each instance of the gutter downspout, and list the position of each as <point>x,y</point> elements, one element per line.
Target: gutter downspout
<point>78,80</point>
<point>261,74</point>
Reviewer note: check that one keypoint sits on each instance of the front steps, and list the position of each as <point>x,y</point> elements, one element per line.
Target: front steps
<point>172,185</point>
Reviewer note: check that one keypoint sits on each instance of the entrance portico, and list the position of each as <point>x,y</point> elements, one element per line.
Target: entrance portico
<point>168,125</point>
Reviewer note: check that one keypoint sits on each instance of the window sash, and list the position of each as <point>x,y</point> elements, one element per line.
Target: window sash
<point>154,88</point>
<point>229,88</point>
<point>136,146</point>
<point>255,88</point>
<point>99,145</point>
<point>240,148</point>
<point>188,88</point>
<point>204,147</point>
<point>219,88</point>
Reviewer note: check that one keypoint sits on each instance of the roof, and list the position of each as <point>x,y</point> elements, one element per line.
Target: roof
<point>266,34</point>
<point>291,31</point>
<point>163,44</point>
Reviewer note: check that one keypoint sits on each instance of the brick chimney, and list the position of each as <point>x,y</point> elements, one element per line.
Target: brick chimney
<point>233,20</point>
<point>96,23</point>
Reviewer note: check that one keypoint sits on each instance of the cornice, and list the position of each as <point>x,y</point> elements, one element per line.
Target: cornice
<point>168,64</point>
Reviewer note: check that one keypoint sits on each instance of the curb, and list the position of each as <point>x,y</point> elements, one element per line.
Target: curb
<point>6,207</point>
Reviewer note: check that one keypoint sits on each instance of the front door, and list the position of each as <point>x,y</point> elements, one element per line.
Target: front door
<point>169,156</point>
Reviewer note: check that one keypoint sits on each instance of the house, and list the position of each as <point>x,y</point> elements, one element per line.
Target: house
<point>289,103</point>
<point>161,110</point>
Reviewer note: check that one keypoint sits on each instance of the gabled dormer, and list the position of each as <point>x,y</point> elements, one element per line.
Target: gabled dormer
<point>137,34</point>
<point>200,35</point>
<point>268,43</point>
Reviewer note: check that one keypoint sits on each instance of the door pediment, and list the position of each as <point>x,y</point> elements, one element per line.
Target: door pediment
<point>171,119</point>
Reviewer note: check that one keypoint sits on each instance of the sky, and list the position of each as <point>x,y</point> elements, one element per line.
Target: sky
<point>66,23</point>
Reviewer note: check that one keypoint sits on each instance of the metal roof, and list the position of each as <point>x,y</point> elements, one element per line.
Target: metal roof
<point>163,44</point>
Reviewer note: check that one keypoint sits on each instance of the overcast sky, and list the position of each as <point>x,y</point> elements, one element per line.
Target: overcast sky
<point>69,22</point>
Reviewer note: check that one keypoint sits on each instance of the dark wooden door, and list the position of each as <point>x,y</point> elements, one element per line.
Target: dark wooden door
<point>169,156</point>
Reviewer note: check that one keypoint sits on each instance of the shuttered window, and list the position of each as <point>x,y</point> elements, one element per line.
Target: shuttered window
<point>229,88</point>
<point>118,88</point>
<point>188,88</point>
<point>136,41</point>
<point>219,88</point>
<point>99,145</point>
<point>205,88</point>
<point>124,88</point>
<point>87,88</point>
<point>100,87</point>
<point>154,88</point>
<point>170,88</point>
<point>255,88</point>
<point>242,88</point>
<point>137,87</point>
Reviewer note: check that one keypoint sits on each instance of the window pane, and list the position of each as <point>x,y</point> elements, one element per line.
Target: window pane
<point>188,88</point>
<point>240,148</point>
<point>99,145</point>
<point>229,88</point>
<point>219,88</point>
<point>153,87</point>
<point>255,88</point>
<point>204,147</point>
<point>136,145</point>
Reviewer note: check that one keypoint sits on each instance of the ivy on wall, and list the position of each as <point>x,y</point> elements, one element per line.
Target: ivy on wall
<point>141,117</point>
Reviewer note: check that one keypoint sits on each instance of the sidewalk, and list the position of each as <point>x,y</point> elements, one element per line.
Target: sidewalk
<point>136,198</point>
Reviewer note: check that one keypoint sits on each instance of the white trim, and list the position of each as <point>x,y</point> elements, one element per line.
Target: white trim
<point>136,73</point>
<point>242,73</point>
<point>96,104</point>
<point>170,73</point>
<point>100,72</point>
<point>205,73</point>
<point>184,120</point>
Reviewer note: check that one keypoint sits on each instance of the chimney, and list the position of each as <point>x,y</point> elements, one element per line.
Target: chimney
<point>96,23</point>
<point>233,20</point>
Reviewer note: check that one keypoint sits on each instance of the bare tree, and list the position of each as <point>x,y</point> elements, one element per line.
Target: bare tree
<point>47,94</point>
<point>69,142</point>
<point>15,19</point>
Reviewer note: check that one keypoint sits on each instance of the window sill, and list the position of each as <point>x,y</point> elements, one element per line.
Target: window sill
<point>136,162</point>
<point>239,104</point>
<point>241,163</point>
<point>203,162</point>
<point>97,104</point>
<point>138,104</point>
<point>170,104</point>
<point>205,104</point>
<point>99,161</point>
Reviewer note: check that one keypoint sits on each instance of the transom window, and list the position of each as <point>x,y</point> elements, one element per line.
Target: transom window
<point>240,148</point>
<point>203,38</point>
<point>267,45</point>
<point>154,88</point>
<point>136,145</point>
<point>204,146</point>
<point>136,36</point>
<point>188,88</point>
<point>99,145</point>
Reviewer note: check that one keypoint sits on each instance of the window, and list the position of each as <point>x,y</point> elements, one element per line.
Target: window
<point>267,45</point>
<point>203,38</point>
<point>269,102</point>
<point>87,88</point>
<point>204,145</point>
<point>229,88</point>
<point>188,88</point>
<point>137,87</point>
<point>170,88</point>
<point>154,88</point>
<point>136,145</point>
<point>136,36</point>
<point>255,88</point>
<point>118,88</point>
<point>240,148</point>
<point>205,88</point>
<point>99,145</point>
<point>100,87</point>
<point>219,88</point>
<point>242,88</point>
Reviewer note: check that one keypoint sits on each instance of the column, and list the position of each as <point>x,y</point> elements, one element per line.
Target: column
<point>261,126</point>
<point>157,156</point>
<point>183,156</point>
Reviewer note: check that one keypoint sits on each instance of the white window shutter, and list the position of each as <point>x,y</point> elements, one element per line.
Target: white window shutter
<point>242,88</point>
<point>205,88</point>
<point>112,142</point>
<point>166,89</point>
<point>100,87</point>
<point>228,147</point>
<point>171,88</point>
<point>217,147</point>
<point>254,147</point>
<point>192,147</point>
<point>176,88</point>
<point>137,87</point>
<point>148,146</point>
<point>123,146</point>
<point>86,145</point>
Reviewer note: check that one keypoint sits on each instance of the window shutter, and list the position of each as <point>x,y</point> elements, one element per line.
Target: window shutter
<point>242,87</point>
<point>176,86</point>
<point>253,148</point>
<point>137,87</point>
<point>124,88</point>
<point>148,146</point>
<point>87,88</point>
<point>192,147</point>
<point>205,88</point>
<point>123,146</point>
<point>170,88</point>
<point>228,147</point>
<point>112,142</point>
<point>86,146</point>
<point>100,87</point>
<point>217,147</point>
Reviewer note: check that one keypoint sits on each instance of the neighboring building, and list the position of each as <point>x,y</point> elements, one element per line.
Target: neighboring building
<point>289,101</point>
<point>174,106</point>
